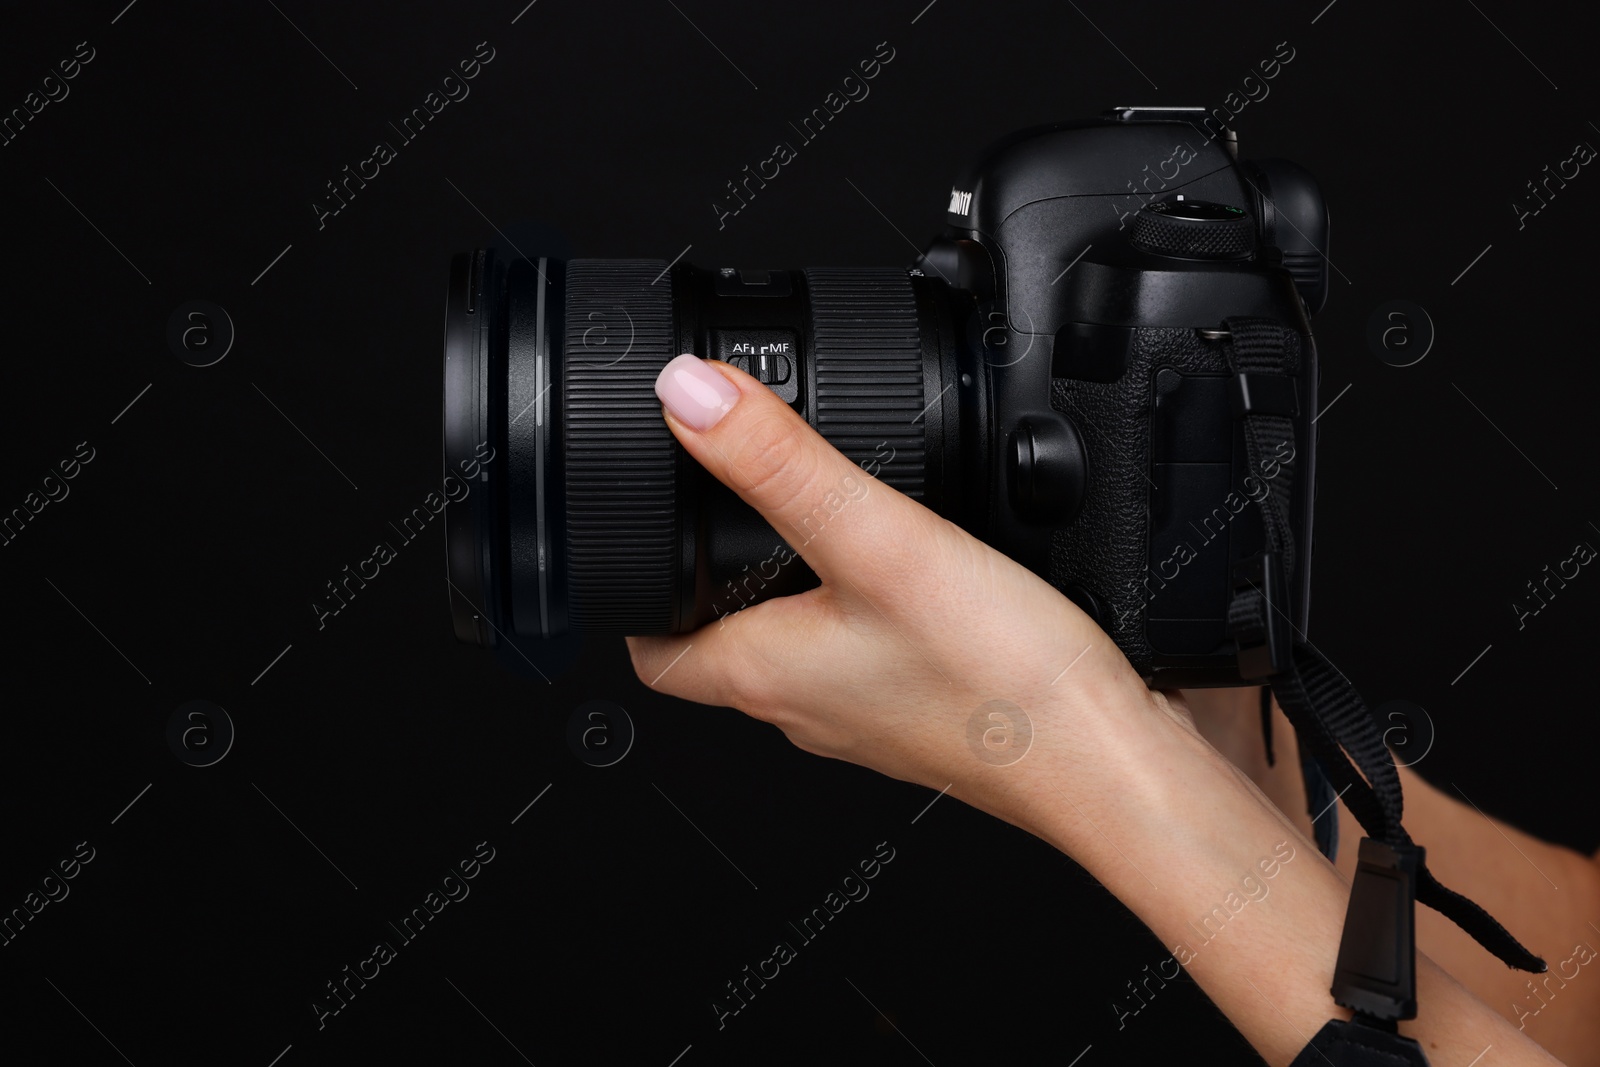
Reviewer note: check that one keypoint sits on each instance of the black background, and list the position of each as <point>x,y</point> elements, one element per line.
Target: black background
<point>188,155</point>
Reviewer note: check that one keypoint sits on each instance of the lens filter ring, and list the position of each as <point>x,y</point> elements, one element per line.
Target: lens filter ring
<point>468,398</point>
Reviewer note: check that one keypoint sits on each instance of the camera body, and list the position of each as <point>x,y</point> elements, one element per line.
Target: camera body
<point>1102,257</point>
<point>1053,375</point>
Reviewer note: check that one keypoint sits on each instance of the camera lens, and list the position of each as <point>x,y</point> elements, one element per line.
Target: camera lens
<point>580,511</point>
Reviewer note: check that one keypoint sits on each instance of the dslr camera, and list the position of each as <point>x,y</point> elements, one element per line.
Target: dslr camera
<point>1054,374</point>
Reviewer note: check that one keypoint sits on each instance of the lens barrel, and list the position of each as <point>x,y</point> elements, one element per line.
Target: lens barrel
<point>587,515</point>
<point>619,458</point>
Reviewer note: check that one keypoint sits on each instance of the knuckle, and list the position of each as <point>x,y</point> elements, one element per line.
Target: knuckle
<point>649,661</point>
<point>641,659</point>
<point>750,690</point>
<point>744,676</point>
<point>773,460</point>
<point>742,685</point>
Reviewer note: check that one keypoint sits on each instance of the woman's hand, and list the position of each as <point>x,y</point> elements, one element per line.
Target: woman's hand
<point>924,654</point>
<point>920,643</point>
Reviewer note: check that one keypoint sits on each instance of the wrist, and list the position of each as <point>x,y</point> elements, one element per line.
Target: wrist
<point>1102,752</point>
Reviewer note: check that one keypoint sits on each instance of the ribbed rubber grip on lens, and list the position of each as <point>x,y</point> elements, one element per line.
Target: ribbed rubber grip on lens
<point>621,499</point>
<point>867,359</point>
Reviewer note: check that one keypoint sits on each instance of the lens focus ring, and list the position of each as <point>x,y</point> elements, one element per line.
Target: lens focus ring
<point>868,363</point>
<point>619,462</point>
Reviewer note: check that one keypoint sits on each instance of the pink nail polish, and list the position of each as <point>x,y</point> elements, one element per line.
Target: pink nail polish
<point>695,393</point>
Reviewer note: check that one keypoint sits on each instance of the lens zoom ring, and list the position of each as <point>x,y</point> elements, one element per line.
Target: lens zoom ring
<point>619,456</point>
<point>868,364</point>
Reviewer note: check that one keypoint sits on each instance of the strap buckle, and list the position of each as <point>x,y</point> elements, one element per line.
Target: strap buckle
<point>1376,973</point>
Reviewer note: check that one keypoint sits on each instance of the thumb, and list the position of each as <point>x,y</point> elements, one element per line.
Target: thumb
<point>842,521</point>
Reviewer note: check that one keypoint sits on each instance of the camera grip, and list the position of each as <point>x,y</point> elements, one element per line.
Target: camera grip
<point>1101,561</point>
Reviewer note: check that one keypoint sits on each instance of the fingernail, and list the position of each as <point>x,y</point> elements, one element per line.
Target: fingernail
<point>694,392</point>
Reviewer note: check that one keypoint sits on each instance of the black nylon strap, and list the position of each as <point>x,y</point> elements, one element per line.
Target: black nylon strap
<point>1354,1044</point>
<point>1258,345</point>
<point>1266,724</point>
<point>1329,716</point>
<point>1320,801</point>
<point>1320,797</point>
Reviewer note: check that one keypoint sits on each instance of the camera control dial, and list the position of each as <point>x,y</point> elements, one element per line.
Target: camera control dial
<point>1193,229</point>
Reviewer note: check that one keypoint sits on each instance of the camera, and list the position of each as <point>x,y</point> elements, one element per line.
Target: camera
<point>1053,374</point>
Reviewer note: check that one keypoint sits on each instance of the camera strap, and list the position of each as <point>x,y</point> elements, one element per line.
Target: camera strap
<point>1375,973</point>
<point>1320,797</point>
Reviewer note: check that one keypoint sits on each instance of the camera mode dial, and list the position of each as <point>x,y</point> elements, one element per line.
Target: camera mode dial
<point>1193,229</point>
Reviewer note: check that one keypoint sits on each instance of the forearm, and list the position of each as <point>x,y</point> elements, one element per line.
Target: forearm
<point>1109,772</point>
<point>1546,895</point>
<point>1511,874</point>
<point>1173,831</point>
